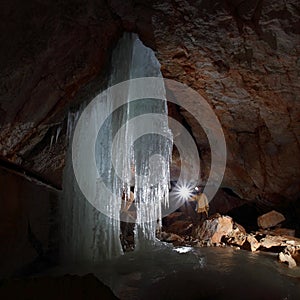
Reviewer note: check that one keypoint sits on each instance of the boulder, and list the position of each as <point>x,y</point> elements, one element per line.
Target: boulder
<point>170,237</point>
<point>237,236</point>
<point>270,219</point>
<point>214,229</point>
<point>239,228</point>
<point>268,241</point>
<point>272,241</point>
<point>253,242</point>
<point>286,257</point>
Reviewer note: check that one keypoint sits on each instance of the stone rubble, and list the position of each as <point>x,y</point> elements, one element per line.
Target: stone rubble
<point>220,231</point>
<point>214,229</point>
<point>285,256</point>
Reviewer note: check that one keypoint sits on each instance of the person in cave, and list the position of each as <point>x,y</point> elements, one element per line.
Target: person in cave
<point>127,213</point>
<point>196,206</point>
<point>201,206</point>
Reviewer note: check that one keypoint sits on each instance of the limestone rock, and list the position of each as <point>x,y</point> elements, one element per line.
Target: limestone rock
<point>239,228</point>
<point>270,219</point>
<point>170,237</point>
<point>254,244</point>
<point>271,241</point>
<point>214,229</point>
<point>286,257</point>
<point>284,231</point>
<point>280,231</point>
<point>237,236</point>
<point>245,85</point>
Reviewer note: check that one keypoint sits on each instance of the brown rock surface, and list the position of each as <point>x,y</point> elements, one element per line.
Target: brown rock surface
<point>214,229</point>
<point>270,219</point>
<point>280,231</point>
<point>248,71</point>
<point>286,257</point>
<point>173,217</point>
<point>170,237</point>
<point>254,244</point>
<point>237,236</point>
<point>181,227</point>
<point>271,241</point>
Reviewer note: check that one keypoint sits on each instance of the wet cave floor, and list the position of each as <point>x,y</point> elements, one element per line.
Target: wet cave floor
<point>166,272</point>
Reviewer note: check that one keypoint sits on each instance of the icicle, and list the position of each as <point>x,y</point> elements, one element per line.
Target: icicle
<point>58,130</point>
<point>71,122</point>
<point>51,141</point>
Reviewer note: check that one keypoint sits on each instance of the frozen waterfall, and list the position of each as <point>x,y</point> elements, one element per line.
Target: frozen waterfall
<point>89,235</point>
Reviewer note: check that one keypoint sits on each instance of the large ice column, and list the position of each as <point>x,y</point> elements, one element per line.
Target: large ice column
<point>137,157</point>
<point>150,149</point>
<point>88,235</point>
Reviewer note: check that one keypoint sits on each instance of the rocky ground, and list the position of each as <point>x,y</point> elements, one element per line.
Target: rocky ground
<point>222,231</point>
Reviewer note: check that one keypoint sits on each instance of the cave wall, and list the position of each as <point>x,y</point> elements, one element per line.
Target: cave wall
<point>29,233</point>
<point>244,59</point>
<point>241,56</point>
<point>50,50</point>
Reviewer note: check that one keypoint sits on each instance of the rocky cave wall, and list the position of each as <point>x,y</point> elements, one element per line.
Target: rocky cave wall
<point>244,59</point>
<point>28,225</point>
<point>241,56</point>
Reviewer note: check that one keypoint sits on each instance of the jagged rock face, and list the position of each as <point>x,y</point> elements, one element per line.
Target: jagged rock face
<point>244,59</point>
<point>214,229</point>
<point>241,56</point>
<point>49,52</point>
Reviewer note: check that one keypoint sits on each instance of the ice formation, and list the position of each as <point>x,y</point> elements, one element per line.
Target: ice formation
<point>89,235</point>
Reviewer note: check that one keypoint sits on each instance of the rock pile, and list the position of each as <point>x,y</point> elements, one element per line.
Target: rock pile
<point>214,229</point>
<point>221,230</point>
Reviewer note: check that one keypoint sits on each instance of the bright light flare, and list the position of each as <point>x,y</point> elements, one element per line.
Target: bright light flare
<point>183,191</point>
